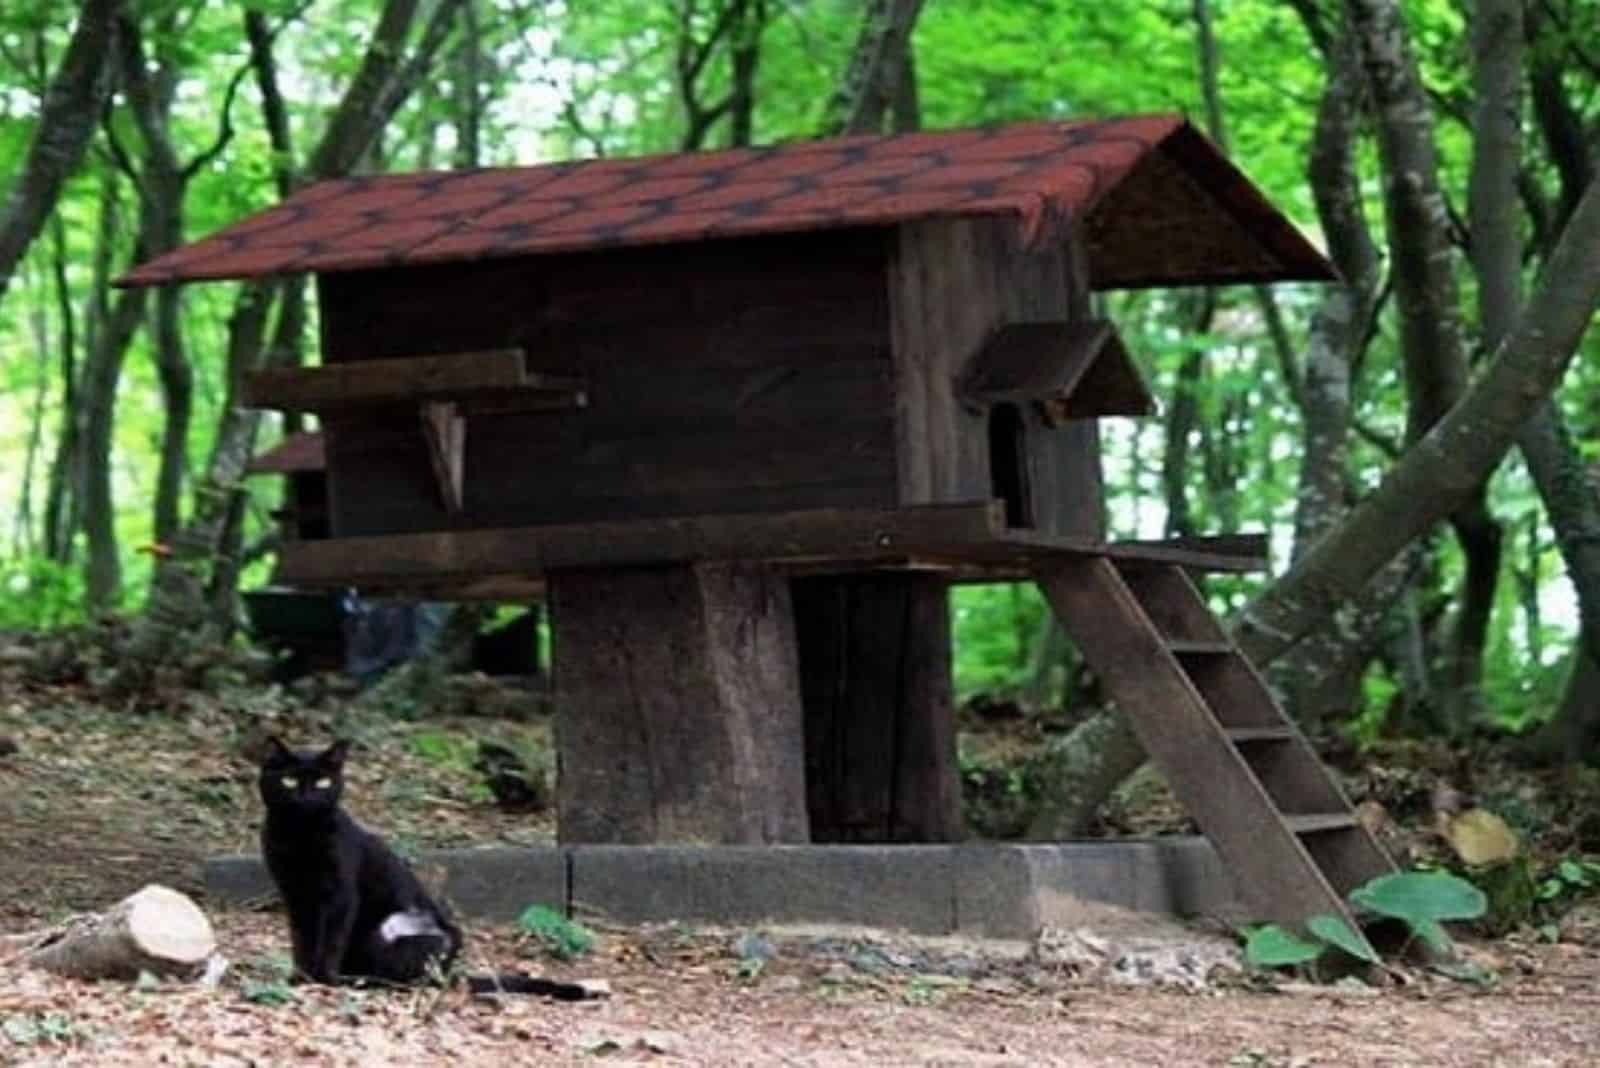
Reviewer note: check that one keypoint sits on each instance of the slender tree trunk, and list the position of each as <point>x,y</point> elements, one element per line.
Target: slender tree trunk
<point>873,79</point>
<point>1445,468</point>
<point>163,186</point>
<point>80,88</point>
<point>1321,678</point>
<point>1435,355</point>
<point>101,373</point>
<point>468,87</point>
<point>59,495</point>
<point>22,522</point>
<point>745,59</point>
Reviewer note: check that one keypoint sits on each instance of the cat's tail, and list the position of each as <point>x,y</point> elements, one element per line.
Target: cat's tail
<point>522,983</point>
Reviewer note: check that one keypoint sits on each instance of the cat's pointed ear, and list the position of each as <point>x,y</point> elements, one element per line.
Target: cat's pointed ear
<point>334,755</point>
<point>276,750</point>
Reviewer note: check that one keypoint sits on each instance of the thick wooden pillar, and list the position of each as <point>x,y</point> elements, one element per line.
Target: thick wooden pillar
<point>678,706</point>
<point>879,711</point>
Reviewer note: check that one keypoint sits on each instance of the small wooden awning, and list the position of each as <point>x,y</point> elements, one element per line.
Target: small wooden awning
<point>1074,370</point>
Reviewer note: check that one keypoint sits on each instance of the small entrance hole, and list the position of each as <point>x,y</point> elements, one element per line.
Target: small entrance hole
<point>1008,463</point>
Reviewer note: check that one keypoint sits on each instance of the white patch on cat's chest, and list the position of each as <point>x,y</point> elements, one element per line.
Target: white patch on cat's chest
<point>408,924</point>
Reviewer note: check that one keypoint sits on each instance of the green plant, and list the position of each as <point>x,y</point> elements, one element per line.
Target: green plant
<point>1419,899</point>
<point>560,937</point>
<point>1570,878</point>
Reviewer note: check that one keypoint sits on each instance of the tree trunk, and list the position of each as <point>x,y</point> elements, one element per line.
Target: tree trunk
<point>1447,466</point>
<point>163,186</point>
<point>1572,735</point>
<point>60,507</point>
<point>101,373</point>
<point>873,79</point>
<point>1321,678</point>
<point>678,706</point>
<point>67,118</point>
<point>156,930</point>
<point>178,605</point>
<point>1077,772</point>
<point>1570,500</point>
<point>1435,355</point>
<point>880,737</point>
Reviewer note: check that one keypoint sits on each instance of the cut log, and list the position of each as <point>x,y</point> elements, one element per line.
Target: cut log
<point>157,930</point>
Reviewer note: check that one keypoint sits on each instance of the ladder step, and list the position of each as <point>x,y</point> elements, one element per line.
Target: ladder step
<point>1199,647</point>
<point>1260,734</point>
<point>1316,823</point>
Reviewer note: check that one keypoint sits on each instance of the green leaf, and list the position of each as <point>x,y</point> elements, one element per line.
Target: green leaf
<point>1421,896</point>
<point>1335,931</point>
<point>1271,946</point>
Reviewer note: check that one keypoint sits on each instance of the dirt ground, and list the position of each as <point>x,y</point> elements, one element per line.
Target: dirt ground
<point>690,1006</point>
<point>95,802</point>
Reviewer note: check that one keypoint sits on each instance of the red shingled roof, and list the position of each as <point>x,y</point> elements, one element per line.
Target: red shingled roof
<point>1046,174</point>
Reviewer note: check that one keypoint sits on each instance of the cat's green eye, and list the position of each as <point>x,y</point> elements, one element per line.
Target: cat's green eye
<point>290,781</point>
<point>324,782</point>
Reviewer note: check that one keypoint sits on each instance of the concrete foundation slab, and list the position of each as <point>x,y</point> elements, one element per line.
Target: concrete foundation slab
<point>988,890</point>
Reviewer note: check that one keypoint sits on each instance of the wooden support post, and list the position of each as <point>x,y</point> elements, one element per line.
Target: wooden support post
<point>880,713</point>
<point>678,706</point>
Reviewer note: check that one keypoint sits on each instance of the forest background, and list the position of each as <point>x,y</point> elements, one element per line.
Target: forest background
<point>1420,441</point>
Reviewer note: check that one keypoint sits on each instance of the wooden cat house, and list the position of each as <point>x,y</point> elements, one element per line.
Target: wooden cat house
<point>744,415</point>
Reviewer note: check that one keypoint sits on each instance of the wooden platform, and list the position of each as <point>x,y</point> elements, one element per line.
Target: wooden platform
<point>969,542</point>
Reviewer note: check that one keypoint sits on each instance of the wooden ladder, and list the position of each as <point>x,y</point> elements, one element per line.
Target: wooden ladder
<point>1234,759</point>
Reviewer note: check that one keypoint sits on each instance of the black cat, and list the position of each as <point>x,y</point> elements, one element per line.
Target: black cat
<point>356,911</point>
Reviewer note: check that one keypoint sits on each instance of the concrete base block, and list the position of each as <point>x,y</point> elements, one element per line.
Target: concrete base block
<point>494,884</point>
<point>984,890</point>
<point>905,887</point>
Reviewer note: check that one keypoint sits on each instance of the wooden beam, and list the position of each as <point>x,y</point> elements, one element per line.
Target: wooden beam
<point>1221,552</point>
<point>445,431</point>
<point>451,376</point>
<point>1075,369</point>
<point>783,537</point>
<point>969,542</point>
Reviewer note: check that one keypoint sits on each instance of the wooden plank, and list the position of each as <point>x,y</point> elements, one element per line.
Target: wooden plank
<point>1321,822</point>
<point>1248,735</point>
<point>409,378</point>
<point>1209,776</point>
<point>1252,549</point>
<point>460,555</point>
<point>1190,553</point>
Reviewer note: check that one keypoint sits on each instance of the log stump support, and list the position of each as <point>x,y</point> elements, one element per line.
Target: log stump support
<point>678,698</point>
<point>879,709</point>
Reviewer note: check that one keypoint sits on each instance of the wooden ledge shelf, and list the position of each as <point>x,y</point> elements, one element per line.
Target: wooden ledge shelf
<point>491,380</point>
<point>968,542</point>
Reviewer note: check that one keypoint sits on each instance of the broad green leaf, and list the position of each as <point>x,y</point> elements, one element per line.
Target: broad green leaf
<point>1335,931</point>
<point>1421,896</point>
<point>1272,946</point>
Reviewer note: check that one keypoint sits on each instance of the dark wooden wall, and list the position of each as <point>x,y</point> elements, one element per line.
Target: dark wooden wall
<point>952,282</point>
<point>735,376</point>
